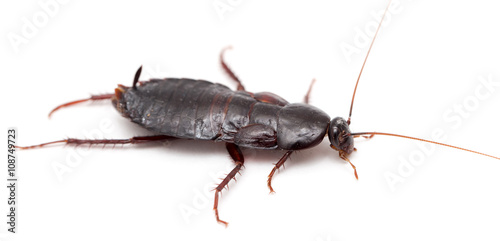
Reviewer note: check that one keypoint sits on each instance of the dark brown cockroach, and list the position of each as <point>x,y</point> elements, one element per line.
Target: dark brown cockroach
<point>201,110</point>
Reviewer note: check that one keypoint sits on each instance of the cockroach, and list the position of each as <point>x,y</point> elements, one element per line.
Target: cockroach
<point>200,110</point>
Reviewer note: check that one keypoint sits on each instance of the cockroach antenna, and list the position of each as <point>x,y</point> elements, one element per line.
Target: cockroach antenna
<point>418,139</point>
<point>174,108</point>
<point>371,134</point>
<point>364,62</point>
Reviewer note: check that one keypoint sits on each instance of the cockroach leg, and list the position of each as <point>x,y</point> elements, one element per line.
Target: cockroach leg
<point>306,98</point>
<point>98,97</point>
<point>92,98</point>
<point>41,145</point>
<point>276,167</point>
<point>343,155</point>
<point>228,70</point>
<point>74,141</point>
<point>237,156</point>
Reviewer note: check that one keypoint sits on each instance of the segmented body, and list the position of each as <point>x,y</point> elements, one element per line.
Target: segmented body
<point>198,109</point>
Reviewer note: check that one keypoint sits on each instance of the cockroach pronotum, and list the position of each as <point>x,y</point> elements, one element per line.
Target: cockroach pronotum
<point>201,110</point>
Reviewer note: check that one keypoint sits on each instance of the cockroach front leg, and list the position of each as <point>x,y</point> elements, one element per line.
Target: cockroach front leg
<point>343,155</point>
<point>285,157</point>
<point>276,167</point>
<point>237,156</point>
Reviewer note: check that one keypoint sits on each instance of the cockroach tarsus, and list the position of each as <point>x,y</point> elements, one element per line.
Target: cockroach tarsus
<point>197,109</point>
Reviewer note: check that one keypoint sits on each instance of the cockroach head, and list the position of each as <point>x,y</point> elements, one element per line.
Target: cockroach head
<point>340,135</point>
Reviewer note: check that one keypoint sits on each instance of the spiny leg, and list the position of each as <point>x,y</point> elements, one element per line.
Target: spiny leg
<point>74,141</point>
<point>276,167</point>
<point>228,70</point>
<point>92,98</point>
<point>306,98</point>
<point>237,156</point>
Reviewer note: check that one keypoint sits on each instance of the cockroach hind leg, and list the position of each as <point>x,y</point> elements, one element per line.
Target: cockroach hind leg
<point>104,142</point>
<point>216,210</point>
<point>92,98</point>
<point>41,145</point>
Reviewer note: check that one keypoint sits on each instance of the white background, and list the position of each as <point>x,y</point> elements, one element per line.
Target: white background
<point>428,59</point>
